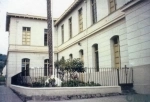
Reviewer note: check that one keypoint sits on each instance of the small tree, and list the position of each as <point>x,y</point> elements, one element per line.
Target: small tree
<point>71,66</point>
<point>75,65</point>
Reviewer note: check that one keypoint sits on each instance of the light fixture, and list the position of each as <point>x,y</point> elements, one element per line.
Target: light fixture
<point>79,43</point>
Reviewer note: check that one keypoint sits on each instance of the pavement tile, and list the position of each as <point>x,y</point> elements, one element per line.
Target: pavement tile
<point>7,95</point>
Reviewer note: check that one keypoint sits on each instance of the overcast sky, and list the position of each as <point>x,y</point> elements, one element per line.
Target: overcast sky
<point>31,7</point>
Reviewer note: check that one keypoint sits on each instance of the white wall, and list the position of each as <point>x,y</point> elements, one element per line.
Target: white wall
<point>15,60</point>
<point>102,11</point>
<point>102,38</point>
<point>37,31</point>
<point>138,34</point>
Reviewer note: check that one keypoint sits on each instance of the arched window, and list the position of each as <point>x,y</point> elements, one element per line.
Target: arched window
<point>115,52</point>
<point>25,66</point>
<point>81,55</point>
<point>71,56</point>
<point>46,67</point>
<point>95,57</point>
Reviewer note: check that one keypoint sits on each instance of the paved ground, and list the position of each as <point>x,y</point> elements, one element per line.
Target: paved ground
<point>7,95</point>
<point>105,99</point>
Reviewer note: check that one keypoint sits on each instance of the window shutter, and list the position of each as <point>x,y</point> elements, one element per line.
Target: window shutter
<point>112,5</point>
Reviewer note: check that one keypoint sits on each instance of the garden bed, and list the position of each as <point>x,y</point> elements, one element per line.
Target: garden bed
<point>63,91</point>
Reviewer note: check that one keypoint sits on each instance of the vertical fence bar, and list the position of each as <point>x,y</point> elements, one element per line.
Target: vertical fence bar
<point>132,75</point>
<point>118,76</point>
<point>126,73</point>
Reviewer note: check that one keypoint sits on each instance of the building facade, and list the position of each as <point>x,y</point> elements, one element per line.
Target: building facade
<point>103,33</point>
<point>107,33</point>
<point>27,43</point>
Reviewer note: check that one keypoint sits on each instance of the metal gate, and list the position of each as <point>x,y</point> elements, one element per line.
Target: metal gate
<point>125,77</point>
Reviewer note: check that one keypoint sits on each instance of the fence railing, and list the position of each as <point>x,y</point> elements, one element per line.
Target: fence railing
<point>90,77</point>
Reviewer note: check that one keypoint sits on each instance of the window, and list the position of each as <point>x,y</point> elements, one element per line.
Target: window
<point>62,32</point>
<point>70,56</point>
<point>25,66</point>
<point>70,28</point>
<point>80,20</point>
<point>112,6</point>
<point>45,37</point>
<point>115,48</point>
<point>94,11</point>
<point>96,57</point>
<point>46,67</point>
<point>81,55</point>
<point>26,31</point>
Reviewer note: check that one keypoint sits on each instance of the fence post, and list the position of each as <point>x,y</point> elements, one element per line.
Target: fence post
<point>57,72</point>
<point>126,73</point>
<point>132,75</point>
<point>118,76</point>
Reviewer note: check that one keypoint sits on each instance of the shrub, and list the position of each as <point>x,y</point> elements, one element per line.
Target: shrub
<point>77,83</point>
<point>2,79</point>
<point>37,84</point>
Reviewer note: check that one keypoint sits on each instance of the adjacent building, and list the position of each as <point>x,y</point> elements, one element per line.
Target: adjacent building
<point>28,42</point>
<point>107,33</point>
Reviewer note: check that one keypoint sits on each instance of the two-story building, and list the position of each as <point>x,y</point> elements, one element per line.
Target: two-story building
<point>28,42</point>
<point>107,33</point>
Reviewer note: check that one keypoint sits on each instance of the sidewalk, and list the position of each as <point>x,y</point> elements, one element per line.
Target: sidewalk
<point>7,95</point>
<point>104,99</point>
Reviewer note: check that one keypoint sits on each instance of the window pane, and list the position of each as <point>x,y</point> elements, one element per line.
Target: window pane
<point>28,28</point>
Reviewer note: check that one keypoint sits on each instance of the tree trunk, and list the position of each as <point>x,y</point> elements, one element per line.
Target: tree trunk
<point>50,40</point>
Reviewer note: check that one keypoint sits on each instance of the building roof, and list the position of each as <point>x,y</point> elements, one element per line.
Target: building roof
<point>67,12</point>
<point>9,15</point>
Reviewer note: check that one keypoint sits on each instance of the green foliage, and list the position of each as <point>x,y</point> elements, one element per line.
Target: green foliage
<point>2,79</point>
<point>70,65</point>
<point>37,84</point>
<point>41,83</point>
<point>77,83</point>
<point>2,62</point>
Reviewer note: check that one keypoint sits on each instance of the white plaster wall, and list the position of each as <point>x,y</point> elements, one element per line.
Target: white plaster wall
<point>102,11</point>
<point>102,38</point>
<point>37,31</point>
<point>15,60</point>
<point>120,3</point>
<point>138,34</point>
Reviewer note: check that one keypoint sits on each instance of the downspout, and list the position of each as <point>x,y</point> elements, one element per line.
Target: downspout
<point>86,33</point>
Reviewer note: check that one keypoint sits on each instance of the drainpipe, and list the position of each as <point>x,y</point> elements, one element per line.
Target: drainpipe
<point>57,66</point>
<point>86,33</point>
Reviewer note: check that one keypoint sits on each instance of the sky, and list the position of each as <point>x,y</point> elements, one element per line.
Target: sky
<point>31,7</point>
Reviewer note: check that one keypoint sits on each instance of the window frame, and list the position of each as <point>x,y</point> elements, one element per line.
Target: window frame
<point>80,19</point>
<point>46,34</point>
<point>26,36</point>
<point>62,33</point>
<point>70,27</point>
<point>46,69</point>
<point>94,11</point>
<point>96,57</point>
<point>25,67</point>
<point>109,6</point>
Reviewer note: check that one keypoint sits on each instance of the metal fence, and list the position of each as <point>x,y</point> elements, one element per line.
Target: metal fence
<point>90,77</point>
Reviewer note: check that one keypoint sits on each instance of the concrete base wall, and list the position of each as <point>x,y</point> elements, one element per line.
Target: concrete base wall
<point>62,91</point>
<point>141,77</point>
